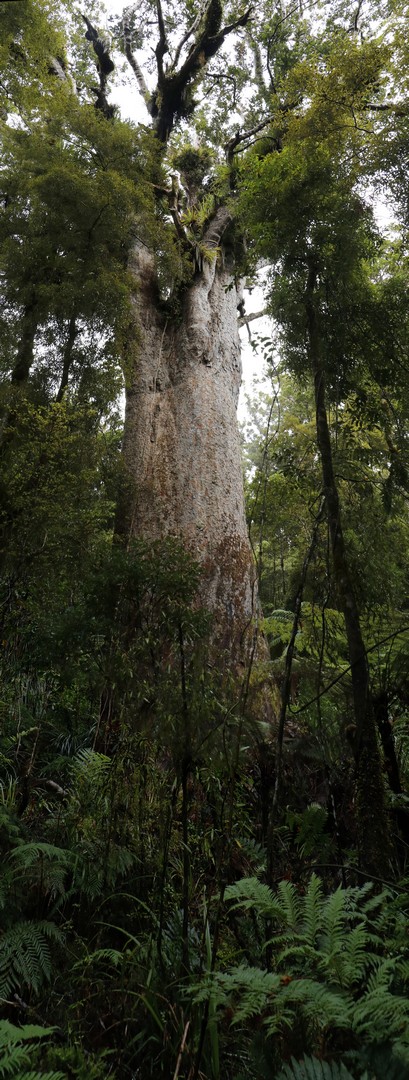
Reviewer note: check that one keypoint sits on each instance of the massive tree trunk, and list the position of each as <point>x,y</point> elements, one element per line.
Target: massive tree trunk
<point>181,442</point>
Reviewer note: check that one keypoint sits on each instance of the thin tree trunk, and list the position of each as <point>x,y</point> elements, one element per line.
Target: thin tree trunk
<point>374,841</point>
<point>25,351</point>
<point>22,366</point>
<point>67,356</point>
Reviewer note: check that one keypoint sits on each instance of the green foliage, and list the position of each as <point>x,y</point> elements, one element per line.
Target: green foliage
<point>25,957</point>
<point>337,973</point>
<point>314,1069</point>
<point>16,1049</point>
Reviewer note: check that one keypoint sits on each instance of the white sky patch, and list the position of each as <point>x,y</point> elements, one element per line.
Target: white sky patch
<point>254,366</point>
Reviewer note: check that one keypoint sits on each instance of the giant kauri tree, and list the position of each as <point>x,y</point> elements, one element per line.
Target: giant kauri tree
<point>183,369</point>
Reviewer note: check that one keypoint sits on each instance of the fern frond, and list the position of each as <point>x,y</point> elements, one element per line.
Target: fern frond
<point>25,958</point>
<point>13,1059</point>
<point>356,959</point>
<point>110,956</point>
<point>290,903</point>
<point>333,920</point>
<point>90,766</point>
<point>386,1062</point>
<point>250,893</point>
<point>9,1033</point>
<point>41,1076</point>
<point>27,855</point>
<point>253,985</point>
<point>379,1012</point>
<point>45,865</point>
<point>311,1068</point>
<point>298,955</point>
<point>320,1005</point>
<point>343,967</point>
<point>16,1052</point>
<point>312,910</point>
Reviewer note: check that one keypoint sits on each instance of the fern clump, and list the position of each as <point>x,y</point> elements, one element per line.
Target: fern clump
<point>335,979</point>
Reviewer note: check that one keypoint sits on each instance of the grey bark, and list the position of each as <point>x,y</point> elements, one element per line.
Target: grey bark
<point>181,442</point>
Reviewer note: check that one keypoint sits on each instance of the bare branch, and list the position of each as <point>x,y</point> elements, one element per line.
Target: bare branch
<point>251,317</point>
<point>191,30</point>
<point>354,28</point>
<point>242,136</point>
<point>132,61</point>
<point>223,76</point>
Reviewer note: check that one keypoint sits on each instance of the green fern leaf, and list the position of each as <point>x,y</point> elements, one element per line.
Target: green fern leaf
<point>110,956</point>
<point>25,958</point>
<point>15,1052</point>
<point>250,893</point>
<point>290,903</point>
<point>9,1033</point>
<point>253,985</point>
<point>356,959</point>
<point>311,1068</point>
<point>312,910</point>
<point>41,1076</point>
<point>322,1006</point>
<point>27,855</point>
<point>333,920</point>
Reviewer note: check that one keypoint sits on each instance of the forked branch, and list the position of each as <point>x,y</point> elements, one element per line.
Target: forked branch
<point>172,98</point>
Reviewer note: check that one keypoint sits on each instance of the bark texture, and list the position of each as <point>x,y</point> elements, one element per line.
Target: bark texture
<point>181,444</point>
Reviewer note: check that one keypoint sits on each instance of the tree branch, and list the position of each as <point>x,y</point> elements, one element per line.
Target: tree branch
<point>172,99</point>
<point>162,46</point>
<point>354,28</point>
<point>244,319</point>
<point>132,61</point>
<point>242,136</point>
<point>217,227</point>
<point>105,67</point>
<point>191,30</point>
